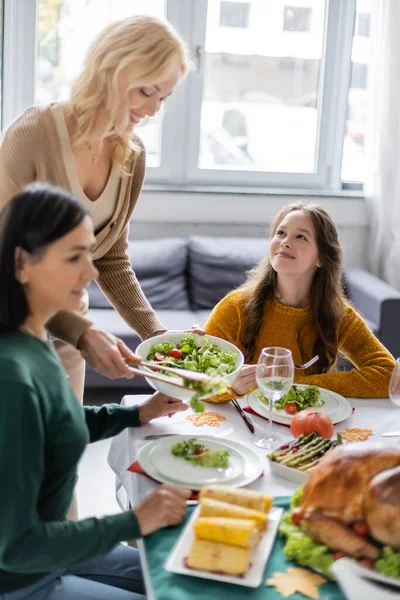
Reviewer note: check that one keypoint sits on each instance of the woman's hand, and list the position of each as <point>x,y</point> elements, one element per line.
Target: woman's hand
<point>165,506</point>
<point>245,380</point>
<point>159,405</point>
<point>106,353</point>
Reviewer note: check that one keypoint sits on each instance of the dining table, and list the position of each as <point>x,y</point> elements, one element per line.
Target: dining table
<point>378,415</point>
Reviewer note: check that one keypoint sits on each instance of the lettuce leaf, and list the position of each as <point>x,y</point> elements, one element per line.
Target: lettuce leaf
<point>389,563</point>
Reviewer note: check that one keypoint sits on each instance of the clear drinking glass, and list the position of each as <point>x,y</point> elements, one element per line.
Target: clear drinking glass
<point>394,387</point>
<point>274,375</point>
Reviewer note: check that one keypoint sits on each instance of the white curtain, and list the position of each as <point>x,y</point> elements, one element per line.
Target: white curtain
<point>382,186</point>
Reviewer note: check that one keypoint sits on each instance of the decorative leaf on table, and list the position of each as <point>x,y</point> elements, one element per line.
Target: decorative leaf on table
<point>297,580</point>
<point>206,418</point>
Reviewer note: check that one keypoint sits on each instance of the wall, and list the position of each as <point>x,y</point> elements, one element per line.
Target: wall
<point>172,213</point>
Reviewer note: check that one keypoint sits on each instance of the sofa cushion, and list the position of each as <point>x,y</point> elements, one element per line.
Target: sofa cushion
<point>218,265</point>
<point>160,266</point>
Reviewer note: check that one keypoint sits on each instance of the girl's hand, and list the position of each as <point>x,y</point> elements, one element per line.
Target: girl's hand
<point>159,405</point>
<point>245,380</point>
<point>106,353</point>
<point>165,506</point>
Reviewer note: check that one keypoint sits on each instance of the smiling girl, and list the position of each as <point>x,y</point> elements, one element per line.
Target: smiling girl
<point>294,299</point>
<point>87,145</point>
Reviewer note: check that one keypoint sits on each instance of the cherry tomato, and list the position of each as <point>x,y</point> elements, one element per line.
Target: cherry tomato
<point>338,555</point>
<point>296,518</point>
<point>366,562</point>
<point>159,356</point>
<point>175,353</point>
<point>290,408</point>
<point>361,528</point>
<point>199,451</point>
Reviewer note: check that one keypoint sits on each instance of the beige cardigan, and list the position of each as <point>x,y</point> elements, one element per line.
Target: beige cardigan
<point>30,151</point>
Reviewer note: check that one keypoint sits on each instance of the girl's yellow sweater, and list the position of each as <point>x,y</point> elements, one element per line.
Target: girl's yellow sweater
<point>292,328</point>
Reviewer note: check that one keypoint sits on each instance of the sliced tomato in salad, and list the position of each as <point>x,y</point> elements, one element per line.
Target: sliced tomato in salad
<point>291,408</point>
<point>159,356</point>
<point>176,353</point>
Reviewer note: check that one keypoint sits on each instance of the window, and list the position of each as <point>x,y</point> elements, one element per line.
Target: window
<point>234,14</point>
<point>297,18</point>
<point>353,163</point>
<point>263,106</point>
<point>363,24</point>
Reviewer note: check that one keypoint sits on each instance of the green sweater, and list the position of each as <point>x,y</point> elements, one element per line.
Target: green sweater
<point>43,433</point>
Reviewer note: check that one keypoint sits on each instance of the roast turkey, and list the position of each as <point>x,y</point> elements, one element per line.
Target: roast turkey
<point>354,483</point>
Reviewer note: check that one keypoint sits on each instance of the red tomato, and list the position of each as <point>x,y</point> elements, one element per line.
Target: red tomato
<point>175,353</point>
<point>361,528</point>
<point>159,356</point>
<point>338,555</point>
<point>307,421</point>
<point>366,562</point>
<point>199,451</point>
<point>296,517</point>
<point>290,408</point>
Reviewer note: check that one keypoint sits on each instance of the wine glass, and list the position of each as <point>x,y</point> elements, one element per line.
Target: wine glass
<point>274,376</point>
<point>394,387</point>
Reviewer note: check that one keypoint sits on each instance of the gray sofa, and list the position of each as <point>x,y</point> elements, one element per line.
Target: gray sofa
<point>183,279</point>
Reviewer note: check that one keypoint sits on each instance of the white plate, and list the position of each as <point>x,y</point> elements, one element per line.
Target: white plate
<point>342,412</point>
<point>253,578</point>
<point>351,575</point>
<point>179,469</point>
<point>252,467</point>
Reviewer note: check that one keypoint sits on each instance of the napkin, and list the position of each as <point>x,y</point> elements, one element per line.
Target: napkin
<point>136,468</point>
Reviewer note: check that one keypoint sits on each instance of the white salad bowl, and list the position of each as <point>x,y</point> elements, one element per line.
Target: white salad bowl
<point>143,351</point>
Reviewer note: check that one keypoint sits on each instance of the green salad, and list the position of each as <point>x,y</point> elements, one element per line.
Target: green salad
<point>307,398</point>
<point>208,359</point>
<point>302,549</point>
<point>199,454</point>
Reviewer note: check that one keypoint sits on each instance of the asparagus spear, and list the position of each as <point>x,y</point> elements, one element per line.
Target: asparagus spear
<point>286,449</point>
<point>325,445</point>
<point>304,450</point>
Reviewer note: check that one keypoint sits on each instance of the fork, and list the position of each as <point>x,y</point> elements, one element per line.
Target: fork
<point>307,364</point>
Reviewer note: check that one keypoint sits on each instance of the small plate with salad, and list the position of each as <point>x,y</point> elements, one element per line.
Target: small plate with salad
<point>301,397</point>
<point>204,354</point>
<point>192,460</point>
<point>157,460</point>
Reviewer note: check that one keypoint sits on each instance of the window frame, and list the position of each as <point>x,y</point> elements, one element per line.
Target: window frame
<point>181,121</point>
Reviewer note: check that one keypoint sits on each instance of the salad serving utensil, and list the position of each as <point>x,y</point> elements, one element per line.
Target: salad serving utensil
<point>186,373</point>
<point>170,380</point>
<point>308,364</point>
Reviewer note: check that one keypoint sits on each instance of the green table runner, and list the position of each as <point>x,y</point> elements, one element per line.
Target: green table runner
<point>169,586</point>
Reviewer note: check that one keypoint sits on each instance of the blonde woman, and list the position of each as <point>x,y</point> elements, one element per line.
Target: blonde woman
<point>87,146</point>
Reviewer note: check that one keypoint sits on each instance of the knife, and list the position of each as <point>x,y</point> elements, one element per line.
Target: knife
<point>155,436</point>
<point>391,434</point>
<point>245,418</point>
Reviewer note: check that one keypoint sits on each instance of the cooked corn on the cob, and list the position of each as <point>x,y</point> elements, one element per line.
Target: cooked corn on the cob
<point>213,556</point>
<point>236,532</point>
<point>215,508</point>
<point>246,498</point>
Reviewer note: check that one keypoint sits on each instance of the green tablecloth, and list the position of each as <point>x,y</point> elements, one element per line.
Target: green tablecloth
<point>169,586</point>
